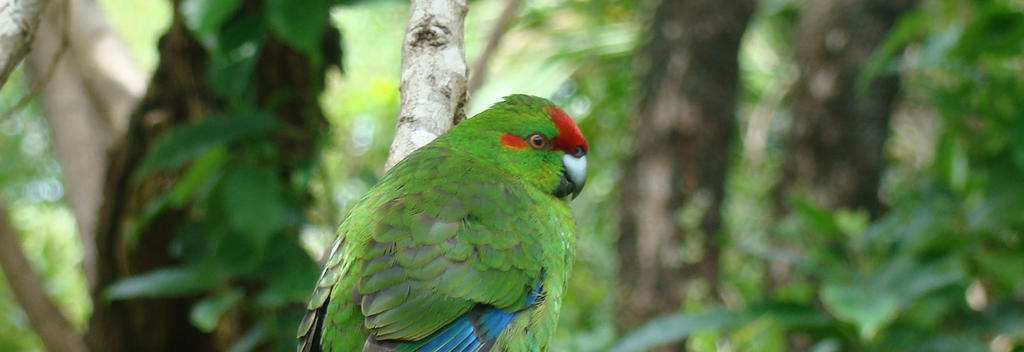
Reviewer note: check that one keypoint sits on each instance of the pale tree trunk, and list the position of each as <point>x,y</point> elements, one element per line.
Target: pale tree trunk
<point>434,70</point>
<point>84,110</point>
<point>18,22</point>
<point>685,123</point>
<point>87,102</point>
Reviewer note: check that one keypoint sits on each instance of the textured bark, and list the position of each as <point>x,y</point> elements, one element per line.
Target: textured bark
<point>18,22</point>
<point>834,153</point>
<point>45,318</point>
<point>178,94</point>
<point>684,129</point>
<point>87,102</point>
<point>433,83</point>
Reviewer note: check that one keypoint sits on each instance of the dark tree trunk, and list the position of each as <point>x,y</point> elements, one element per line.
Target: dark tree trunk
<point>178,94</point>
<point>685,122</point>
<point>834,154</point>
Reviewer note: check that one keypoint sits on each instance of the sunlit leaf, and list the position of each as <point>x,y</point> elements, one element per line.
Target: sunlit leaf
<point>861,306</point>
<point>198,174</point>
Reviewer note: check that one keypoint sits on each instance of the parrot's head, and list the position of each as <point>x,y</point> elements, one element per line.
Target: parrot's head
<point>534,140</point>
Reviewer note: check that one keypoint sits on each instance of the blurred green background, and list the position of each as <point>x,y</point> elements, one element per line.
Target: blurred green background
<point>940,268</point>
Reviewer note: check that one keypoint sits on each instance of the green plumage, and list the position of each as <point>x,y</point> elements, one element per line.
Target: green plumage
<point>466,222</point>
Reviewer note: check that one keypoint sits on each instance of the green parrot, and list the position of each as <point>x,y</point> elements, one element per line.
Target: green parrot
<point>465,245</point>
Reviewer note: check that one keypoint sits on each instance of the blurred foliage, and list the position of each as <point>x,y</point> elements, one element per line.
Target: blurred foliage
<point>30,183</point>
<point>942,270</point>
<point>238,247</point>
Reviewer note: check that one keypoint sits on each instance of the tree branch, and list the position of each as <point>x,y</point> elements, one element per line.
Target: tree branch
<point>434,70</point>
<point>47,321</point>
<point>479,71</point>
<point>18,23</point>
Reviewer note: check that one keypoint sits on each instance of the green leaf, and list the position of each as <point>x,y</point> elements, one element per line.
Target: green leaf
<point>229,70</point>
<point>873,302</point>
<point>288,270</point>
<point>204,17</point>
<point>185,143</point>
<point>299,24</point>
<point>169,282</point>
<point>676,327</point>
<point>198,174</point>
<point>149,212</point>
<point>996,31</point>
<point>252,339</point>
<point>953,163</point>
<point>869,311</point>
<point>946,343</point>
<point>229,74</point>
<point>1003,265</point>
<point>910,278</point>
<point>205,314</point>
<point>254,203</point>
<point>883,60</point>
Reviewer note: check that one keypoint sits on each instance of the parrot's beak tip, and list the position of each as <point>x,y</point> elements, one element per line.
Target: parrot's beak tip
<point>574,176</point>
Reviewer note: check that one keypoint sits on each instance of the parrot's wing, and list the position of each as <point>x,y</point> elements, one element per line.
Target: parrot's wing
<point>444,269</point>
<point>445,256</point>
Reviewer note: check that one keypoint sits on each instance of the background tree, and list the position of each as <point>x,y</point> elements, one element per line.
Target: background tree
<point>684,127</point>
<point>835,148</point>
<point>834,151</point>
<point>197,240</point>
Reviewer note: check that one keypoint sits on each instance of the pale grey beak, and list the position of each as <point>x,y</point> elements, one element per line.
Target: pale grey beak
<point>574,176</point>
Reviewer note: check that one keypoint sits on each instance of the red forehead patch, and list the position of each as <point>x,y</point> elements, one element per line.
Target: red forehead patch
<point>569,135</point>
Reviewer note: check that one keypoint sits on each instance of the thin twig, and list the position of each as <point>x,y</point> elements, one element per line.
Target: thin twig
<point>38,85</point>
<point>479,71</point>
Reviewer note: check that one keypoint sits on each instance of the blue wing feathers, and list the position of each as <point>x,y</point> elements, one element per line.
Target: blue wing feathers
<point>450,338</point>
<point>477,328</point>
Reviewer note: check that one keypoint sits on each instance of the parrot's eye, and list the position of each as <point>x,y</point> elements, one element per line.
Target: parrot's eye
<point>538,141</point>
